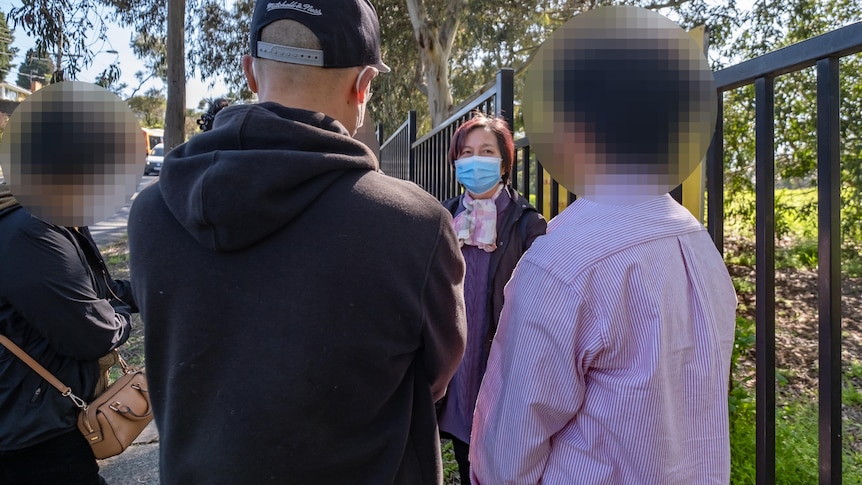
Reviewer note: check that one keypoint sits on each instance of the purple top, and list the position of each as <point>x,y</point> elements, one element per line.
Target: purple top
<point>456,416</point>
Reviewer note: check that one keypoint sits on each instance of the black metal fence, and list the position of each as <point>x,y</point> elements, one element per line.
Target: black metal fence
<point>424,162</point>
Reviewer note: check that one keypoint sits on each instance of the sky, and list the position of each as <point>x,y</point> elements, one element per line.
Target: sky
<point>118,40</point>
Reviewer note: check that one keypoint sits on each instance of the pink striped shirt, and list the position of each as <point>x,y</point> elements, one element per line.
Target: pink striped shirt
<point>612,356</point>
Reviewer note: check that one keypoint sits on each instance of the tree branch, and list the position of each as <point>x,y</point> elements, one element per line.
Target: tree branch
<point>140,85</point>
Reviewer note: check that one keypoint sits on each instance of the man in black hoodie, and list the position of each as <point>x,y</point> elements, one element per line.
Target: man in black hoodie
<point>303,311</point>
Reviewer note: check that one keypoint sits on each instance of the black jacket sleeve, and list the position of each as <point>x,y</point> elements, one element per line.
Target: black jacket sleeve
<point>56,293</point>
<point>445,320</point>
<point>123,290</point>
<point>535,226</point>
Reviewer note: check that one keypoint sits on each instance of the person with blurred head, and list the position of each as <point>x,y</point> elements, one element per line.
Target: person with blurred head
<point>308,311</point>
<point>59,305</point>
<point>495,225</point>
<point>58,302</point>
<point>612,357</point>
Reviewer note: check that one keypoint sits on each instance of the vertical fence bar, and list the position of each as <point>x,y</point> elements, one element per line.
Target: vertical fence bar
<point>440,162</point>
<point>515,163</point>
<point>764,89</point>
<point>526,187</point>
<point>421,176</point>
<point>540,188</point>
<point>411,139</point>
<point>715,181</point>
<point>426,170</point>
<point>438,170</point>
<point>378,132</point>
<point>504,98</point>
<point>829,269</point>
<point>555,198</point>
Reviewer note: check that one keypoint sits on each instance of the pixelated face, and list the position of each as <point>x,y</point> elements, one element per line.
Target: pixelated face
<point>620,105</point>
<point>72,154</point>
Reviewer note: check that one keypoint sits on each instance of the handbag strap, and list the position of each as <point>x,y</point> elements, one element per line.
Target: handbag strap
<point>65,390</point>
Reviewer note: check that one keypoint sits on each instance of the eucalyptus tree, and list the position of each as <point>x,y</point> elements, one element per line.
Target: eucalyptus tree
<point>71,32</point>
<point>443,51</point>
<point>149,108</point>
<point>7,52</point>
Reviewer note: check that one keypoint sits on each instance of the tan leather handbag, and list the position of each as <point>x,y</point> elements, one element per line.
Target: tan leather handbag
<point>115,417</point>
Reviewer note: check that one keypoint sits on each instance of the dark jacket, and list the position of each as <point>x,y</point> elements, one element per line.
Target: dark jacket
<point>56,304</point>
<point>521,226</point>
<point>303,311</point>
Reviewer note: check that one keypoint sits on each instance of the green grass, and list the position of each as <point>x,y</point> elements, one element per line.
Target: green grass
<point>450,466</point>
<point>796,429</point>
<point>743,285</point>
<point>796,443</point>
<point>116,258</point>
<point>795,230</point>
<point>851,393</point>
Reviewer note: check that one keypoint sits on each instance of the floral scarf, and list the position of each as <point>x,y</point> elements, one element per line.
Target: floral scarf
<point>477,224</point>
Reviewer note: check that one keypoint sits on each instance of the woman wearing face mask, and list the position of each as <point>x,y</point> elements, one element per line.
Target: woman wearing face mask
<point>495,226</point>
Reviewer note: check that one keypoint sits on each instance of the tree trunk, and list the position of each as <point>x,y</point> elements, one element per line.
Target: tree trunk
<point>175,112</point>
<point>435,68</point>
<point>435,47</point>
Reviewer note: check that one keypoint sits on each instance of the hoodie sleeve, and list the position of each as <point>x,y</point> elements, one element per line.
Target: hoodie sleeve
<point>55,293</point>
<point>445,320</point>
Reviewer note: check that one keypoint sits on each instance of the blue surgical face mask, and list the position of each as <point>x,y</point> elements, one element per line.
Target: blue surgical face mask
<point>478,174</point>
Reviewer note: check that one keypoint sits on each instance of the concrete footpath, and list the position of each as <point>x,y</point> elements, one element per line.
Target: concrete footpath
<point>138,464</point>
<point>114,228</point>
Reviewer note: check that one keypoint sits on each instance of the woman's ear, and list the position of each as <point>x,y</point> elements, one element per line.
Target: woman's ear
<point>248,70</point>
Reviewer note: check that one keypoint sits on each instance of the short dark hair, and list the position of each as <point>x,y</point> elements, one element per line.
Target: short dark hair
<point>501,131</point>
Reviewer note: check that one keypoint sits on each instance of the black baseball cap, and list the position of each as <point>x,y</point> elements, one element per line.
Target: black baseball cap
<point>348,30</point>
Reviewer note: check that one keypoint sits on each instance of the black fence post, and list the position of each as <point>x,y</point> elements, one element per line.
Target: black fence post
<point>379,134</point>
<point>829,269</point>
<point>526,188</point>
<point>505,96</point>
<point>764,89</point>
<point>555,198</point>
<point>411,150</point>
<point>540,189</point>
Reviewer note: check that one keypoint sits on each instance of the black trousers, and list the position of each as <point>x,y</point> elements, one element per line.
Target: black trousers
<point>462,456</point>
<point>66,459</point>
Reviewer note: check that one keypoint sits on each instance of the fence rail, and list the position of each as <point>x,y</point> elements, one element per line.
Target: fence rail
<point>824,51</point>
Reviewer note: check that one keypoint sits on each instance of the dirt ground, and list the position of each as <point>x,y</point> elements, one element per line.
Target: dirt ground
<point>796,333</point>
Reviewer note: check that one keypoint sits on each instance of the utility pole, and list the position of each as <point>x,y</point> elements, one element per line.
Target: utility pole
<point>175,112</point>
<point>57,76</point>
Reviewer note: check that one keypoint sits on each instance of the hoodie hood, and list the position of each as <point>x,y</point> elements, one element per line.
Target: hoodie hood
<point>258,168</point>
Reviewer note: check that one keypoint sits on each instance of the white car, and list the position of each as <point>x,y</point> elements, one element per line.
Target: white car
<point>155,159</point>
